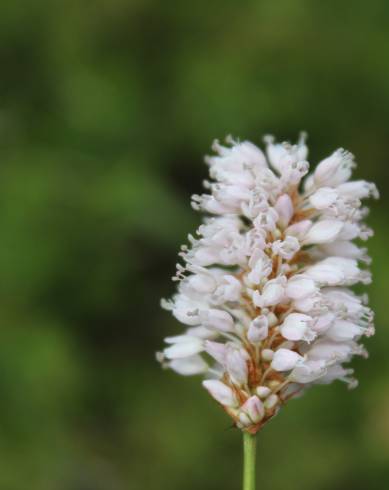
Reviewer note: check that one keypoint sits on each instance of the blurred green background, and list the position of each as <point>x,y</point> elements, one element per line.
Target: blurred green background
<point>106,110</point>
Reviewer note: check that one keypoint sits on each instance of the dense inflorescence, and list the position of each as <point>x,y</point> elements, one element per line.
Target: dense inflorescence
<point>264,287</point>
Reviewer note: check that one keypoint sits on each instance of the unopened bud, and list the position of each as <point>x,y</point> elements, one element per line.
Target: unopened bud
<point>263,391</point>
<point>271,401</point>
<point>258,329</point>
<point>267,354</point>
<point>221,392</point>
<point>253,407</point>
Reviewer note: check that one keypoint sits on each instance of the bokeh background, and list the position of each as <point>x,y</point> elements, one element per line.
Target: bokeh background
<point>106,110</point>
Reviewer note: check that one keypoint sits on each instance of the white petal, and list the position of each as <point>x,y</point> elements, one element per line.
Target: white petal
<point>217,350</point>
<point>323,231</point>
<point>236,364</point>
<point>219,319</point>
<point>254,408</point>
<point>258,329</point>
<point>191,346</point>
<point>358,189</point>
<point>296,327</point>
<point>335,169</point>
<point>189,366</point>
<point>326,273</point>
<point>285,360</point>
<point>299,230</point>
<point>221,392</point>
<point>323,198</point>
<point>343,330</point>
<point>285,210</point>
<point>308,371</point>
<point>300,286</point>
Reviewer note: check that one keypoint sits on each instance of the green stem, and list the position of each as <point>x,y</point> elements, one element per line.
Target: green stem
<point>249,450</point>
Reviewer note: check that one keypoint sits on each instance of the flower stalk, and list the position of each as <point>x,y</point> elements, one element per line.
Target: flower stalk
<point>249,453</point>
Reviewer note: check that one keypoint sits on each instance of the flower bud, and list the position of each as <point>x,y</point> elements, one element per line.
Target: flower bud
<point>218,319</point>
<point>285,360</point>
<point>296,326</point>
<point>263,391</point>
<point>323,231</point>
<point>267,354</point>
<point>221,392</point>
<point>183,346</point>
<point>258,329</point>
<point>300,286</point>
<point>285,210</point>
<point>253,407</point>
<point>216,350</point>
<point>271,401</point>
<point>236,364</point>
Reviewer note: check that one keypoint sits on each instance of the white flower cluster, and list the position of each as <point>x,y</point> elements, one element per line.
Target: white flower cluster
<point>264,289</point>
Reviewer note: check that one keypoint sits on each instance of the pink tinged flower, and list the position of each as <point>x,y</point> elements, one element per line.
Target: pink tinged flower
<point>271,401</point>
<point>299,229</point>
<point>216,350</point>
<point>308,371</point>
<point>205,256</point>
<point>201,283</point>
<point>300,286</point>
<point>189,366</point>
<point>261,267</point>
<point>273,293</point>
<point>352,230</point>
<point>323,198</point>
<point>208,204</point>
<point>296,326</point>
<point>346,249</point>
<point>330,350</point>
<point>344,330</point>
<point>266,220</point>
<point>285,210</point>
<point>285,157</point>
<point>323,231</point>
<point>359,189</point>
<point>183,346</point>
<point>308,304</point>
<point>221,393</point>
<point>231,195</point>
<point>326,274</point>
<point>228,290</point>
<point>276,153</point>
<point>258,329</point>
<point>285,360</point>
<point>339,372</point>
<point>236,364</point>
<point>218,319</point>
<point>186,310</point>
<point>286,248</point>
<point>254,409</point>
<point>263,391</point>
<point>322,323</point>
<point>335,169</point>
